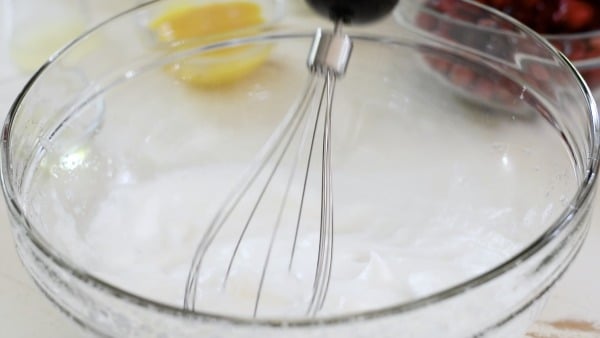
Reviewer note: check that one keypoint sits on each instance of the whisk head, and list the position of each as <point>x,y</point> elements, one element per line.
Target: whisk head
<point>284,198</point>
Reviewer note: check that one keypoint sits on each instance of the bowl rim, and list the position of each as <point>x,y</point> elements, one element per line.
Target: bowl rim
<point>583,64</point>
<point>573,36</point>
<point>582,196</point>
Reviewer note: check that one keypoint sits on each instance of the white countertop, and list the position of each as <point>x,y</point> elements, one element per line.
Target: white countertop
<point>573,310</point>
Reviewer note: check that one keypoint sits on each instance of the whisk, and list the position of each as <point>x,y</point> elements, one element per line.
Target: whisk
<point>327,61</point>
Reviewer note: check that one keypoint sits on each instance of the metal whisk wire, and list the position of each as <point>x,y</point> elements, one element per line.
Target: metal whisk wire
<point>327,60</point>
<point>325,254</point>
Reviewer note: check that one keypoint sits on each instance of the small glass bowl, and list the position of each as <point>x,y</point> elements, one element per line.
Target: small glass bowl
<point>469,27</point>
<point>500,195</point>
<point>582,48</point>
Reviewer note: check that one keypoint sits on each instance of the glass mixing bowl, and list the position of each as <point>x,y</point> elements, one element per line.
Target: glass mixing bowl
<point>455,213</point>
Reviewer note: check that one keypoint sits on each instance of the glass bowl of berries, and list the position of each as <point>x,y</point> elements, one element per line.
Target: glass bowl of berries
<point>572,26</point>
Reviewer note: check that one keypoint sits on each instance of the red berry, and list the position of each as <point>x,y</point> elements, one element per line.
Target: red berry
<point>439,64</point>
<point>539,72</point>
<point>484,88</point>
<point>461,76</point>
<point>592,54</point>
<point>594,43</point>
<point>574,15</point>
<point>427,22</point>
<point>592,77</point>
<point>445,6</point>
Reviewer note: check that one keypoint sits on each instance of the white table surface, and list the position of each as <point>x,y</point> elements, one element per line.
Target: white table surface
<point>573,310</point>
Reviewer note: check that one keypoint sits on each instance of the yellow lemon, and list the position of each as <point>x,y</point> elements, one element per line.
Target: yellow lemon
<point>192,26</point>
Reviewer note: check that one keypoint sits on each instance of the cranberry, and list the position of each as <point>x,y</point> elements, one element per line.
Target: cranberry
<point>484,88</point>
<point>461,76</point>
<point>441,65</point>
<point>592,77</point>
<point>540,73</point>
<point>575,15</point>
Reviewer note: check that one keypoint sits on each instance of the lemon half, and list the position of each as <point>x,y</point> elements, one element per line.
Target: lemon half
<point>193,26</point>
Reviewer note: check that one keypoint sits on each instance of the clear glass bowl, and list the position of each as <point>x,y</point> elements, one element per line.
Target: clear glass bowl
<point>469,27</point>
<point>454,216</point>
<point>582,48</point>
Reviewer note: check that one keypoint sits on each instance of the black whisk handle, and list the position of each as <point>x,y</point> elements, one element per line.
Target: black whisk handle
<point>353,11</point>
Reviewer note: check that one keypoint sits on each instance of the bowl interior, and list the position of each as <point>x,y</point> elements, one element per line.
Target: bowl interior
<point>121,164</point>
